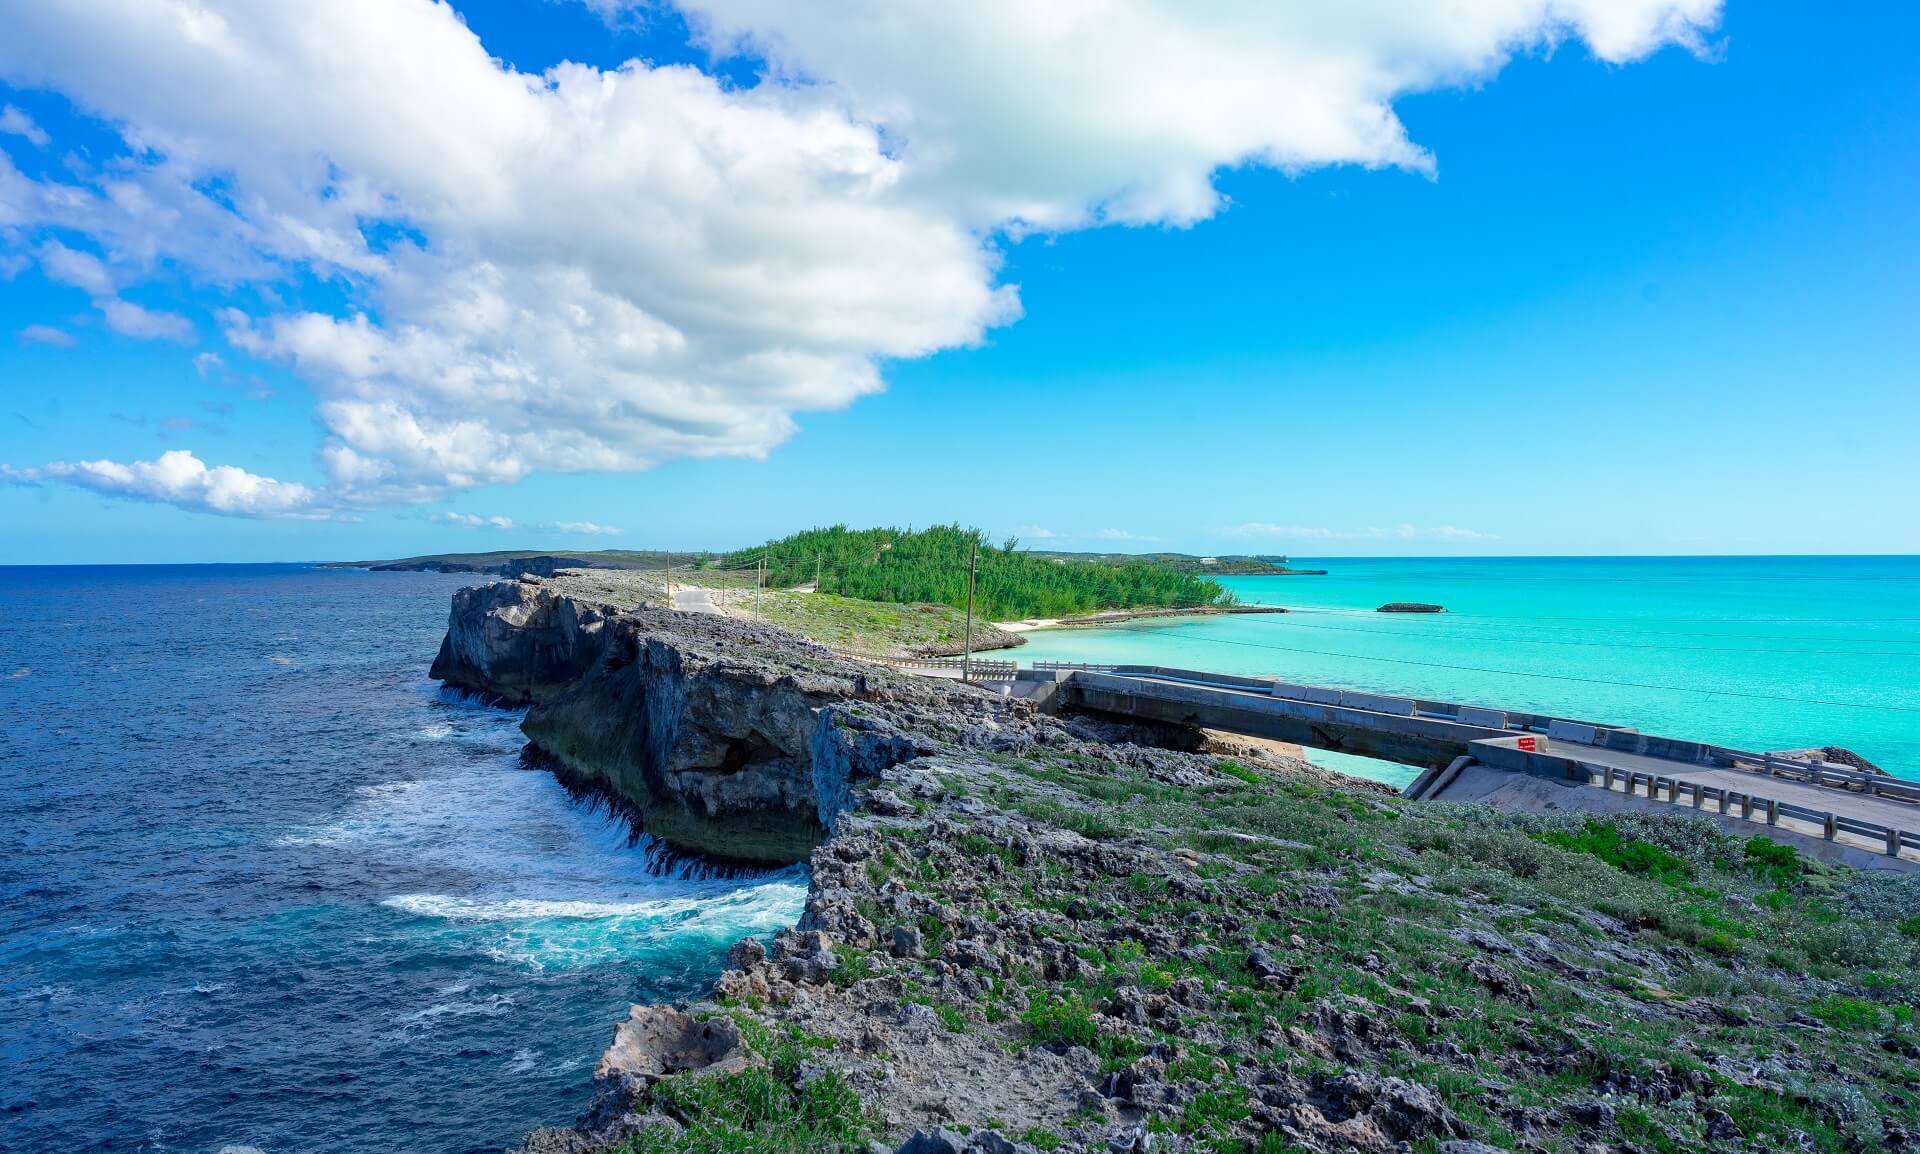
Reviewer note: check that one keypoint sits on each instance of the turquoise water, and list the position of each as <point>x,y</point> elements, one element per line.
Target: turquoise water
<point>1760,653</point>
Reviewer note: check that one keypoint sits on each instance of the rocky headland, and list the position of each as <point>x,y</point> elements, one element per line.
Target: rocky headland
<point>1055,933</point>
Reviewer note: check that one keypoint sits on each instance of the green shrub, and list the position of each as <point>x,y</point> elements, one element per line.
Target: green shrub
<point>1634,856</point>
<point>1773,863</point>
<point>1065,1021</point>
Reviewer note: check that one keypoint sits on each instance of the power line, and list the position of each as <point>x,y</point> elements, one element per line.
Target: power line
<point>1660,620</point>
<point>1548,623</point>
<point>1546,676</point>
<point>1469,637</point>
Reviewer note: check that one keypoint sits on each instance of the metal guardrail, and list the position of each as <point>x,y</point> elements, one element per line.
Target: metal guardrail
<point>1748,805</point>
<point>981,670</point>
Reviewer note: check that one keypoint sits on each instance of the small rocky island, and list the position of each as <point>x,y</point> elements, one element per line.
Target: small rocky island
<point>1411,607</point>
<point>1062,933</point>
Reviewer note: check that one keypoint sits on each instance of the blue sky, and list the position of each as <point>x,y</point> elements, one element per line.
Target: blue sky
<point>1658,303</point>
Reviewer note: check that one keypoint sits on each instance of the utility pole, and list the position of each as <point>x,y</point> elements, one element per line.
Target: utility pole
<point>759,581</point>
<point>973,571</point>
<point>669,587</point>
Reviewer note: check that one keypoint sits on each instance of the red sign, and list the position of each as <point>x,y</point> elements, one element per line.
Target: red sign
<point>1529,744</point>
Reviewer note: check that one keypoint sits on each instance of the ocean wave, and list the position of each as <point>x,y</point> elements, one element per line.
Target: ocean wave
<point>773,898</point>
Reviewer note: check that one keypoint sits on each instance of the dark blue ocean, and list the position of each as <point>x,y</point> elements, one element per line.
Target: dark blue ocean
<point>263,884</point>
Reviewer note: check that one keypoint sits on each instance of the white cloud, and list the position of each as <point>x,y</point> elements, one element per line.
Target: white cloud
<point>14,122</point>
<point>1402,532</point>
<point>204,363</point>
<point>82,270</point>
<point>628,266</point>
<point>577,528</point>
<point>179,478</point>
<point>89,274</point>
<point>474,520</point>
<point>1062,113</point>
<point>129,319</point>
<point>1035,533</point>
<point>1120,535</point>
<point>46,335</point>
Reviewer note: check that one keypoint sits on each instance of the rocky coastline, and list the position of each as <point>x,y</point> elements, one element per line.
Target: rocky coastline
<point>1037,933</point>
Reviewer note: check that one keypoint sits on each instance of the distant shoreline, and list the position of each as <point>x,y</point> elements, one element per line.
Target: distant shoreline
<point>1121,615</point>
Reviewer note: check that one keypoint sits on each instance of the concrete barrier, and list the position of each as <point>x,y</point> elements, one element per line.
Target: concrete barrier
<point>1484,718</point>
<point>1375,703</point>
<point>1319,696</point>
<point>1572,731</point>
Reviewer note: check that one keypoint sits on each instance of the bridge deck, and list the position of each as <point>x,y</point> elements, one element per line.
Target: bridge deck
<point>1832,804</point>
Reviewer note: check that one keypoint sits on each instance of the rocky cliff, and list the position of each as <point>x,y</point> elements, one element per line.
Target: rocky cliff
<point>519,641</point>
<point>720,736</point>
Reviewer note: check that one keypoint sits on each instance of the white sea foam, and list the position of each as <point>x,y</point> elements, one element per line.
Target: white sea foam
<point>745,906</point>
<point>491,1006</point>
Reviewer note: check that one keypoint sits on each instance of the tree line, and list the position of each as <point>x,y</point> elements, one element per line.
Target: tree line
<point>930,565</point>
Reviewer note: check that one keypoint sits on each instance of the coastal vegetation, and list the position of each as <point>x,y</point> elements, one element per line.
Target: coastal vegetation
<point>931,566</point>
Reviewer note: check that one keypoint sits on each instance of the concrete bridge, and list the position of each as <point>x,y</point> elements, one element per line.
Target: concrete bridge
<point>1515,759</point>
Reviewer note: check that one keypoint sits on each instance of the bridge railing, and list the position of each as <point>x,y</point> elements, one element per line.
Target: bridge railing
<point>1747,805</point>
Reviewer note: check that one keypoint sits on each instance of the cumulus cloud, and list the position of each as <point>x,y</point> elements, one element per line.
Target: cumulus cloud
<point>1403,532</point>
<point>179,478</point>
<point>204,363</point>
<point>1122,110</point>
<point>595,269</point>
<point>46,335</point>
<point>587,528</point>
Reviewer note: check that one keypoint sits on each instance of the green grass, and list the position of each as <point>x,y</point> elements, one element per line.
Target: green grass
<point>762,1110</point>
<point>1846,1013</point>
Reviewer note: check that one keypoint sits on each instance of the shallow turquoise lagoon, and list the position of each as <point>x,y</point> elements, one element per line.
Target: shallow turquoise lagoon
<point>1763,653</point>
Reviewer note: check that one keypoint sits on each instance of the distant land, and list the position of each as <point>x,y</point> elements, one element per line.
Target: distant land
<point>1226,565</point>
<point>511,562</point>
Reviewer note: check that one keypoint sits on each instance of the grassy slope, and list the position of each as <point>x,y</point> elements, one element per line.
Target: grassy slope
<point>882,629</point>
<point>1555,984</point>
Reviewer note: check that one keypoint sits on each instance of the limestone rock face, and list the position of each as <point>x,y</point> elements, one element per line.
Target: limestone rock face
<point>706,737</point>
<point>518,641</point>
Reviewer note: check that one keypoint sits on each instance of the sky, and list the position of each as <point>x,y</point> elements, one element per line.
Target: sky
<point>387,277</point>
